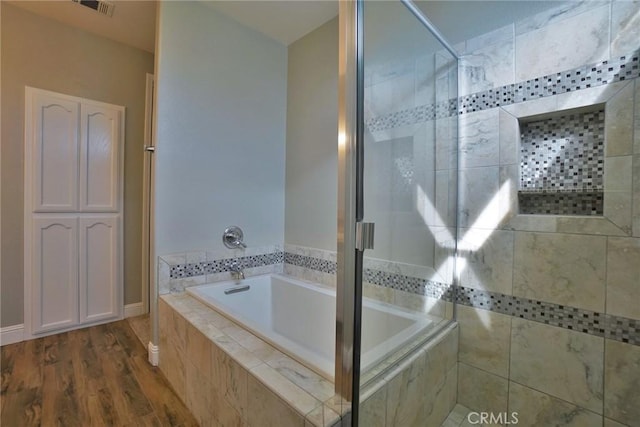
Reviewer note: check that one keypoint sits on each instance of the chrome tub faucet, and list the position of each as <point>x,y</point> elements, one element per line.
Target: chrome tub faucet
<point>235,270</point>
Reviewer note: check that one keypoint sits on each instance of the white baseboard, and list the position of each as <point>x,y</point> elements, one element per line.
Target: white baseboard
<point>132,310</point>
<point>15,333</point>
<point>154,353</point>
<point>11,334</point>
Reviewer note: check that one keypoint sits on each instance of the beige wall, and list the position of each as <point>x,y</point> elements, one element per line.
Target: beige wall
<point>312,135</point>
<point>45,54</point>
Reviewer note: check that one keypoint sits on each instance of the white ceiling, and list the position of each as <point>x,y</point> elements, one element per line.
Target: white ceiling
<point>284,21</point>
<point>133,22</point>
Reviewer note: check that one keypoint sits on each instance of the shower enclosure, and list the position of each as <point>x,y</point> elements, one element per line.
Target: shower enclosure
<point>406,191</point>
<point>397,186</point>
<point>396,159</point>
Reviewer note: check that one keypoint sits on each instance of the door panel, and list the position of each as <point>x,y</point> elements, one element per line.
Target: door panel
<point>408,107</point>
<point>55,273</point>
<point>99,178</point>
<point>73,210</point>
<point>99,290</point>
<point>55,151</point>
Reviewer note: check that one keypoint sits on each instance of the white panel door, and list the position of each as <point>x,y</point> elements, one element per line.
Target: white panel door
<point>55,150</point>
<point>73,211</point>
<point>99,268</point>
<point>100,143</point>
<point>54,273</point>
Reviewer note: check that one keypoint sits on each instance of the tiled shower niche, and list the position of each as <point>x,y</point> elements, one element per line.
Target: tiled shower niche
<point>562,163</point>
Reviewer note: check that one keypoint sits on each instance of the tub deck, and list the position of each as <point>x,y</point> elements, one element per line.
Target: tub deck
<point>227,374</point>
<point>253,380</point>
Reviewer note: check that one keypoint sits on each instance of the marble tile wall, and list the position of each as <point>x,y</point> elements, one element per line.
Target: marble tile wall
<point>570,369</point>
<point>420,391</point>
<point>504,67</point>
<point>227,376</point>
<point>622,67</point>
<point>599,324</point>
<point>314,265</point>
<point>547,306</point>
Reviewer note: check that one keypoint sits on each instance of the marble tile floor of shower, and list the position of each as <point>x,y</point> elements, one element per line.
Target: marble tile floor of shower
<point>458,417</point>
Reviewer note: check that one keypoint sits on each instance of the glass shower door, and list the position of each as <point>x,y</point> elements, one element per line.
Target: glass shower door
<point>409,182</point>
<point>398,171</point>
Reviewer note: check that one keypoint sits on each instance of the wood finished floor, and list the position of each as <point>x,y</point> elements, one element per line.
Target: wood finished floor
<point>97,376</point>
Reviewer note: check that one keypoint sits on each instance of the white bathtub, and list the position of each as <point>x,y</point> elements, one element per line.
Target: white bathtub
<point>299,319</point>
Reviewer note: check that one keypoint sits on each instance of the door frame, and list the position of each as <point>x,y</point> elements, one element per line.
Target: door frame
<point>148,185</point>
<point>348,281</point>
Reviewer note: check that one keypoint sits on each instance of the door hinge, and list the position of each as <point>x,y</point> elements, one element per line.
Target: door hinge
<point>364,235</point>
<point>150,148</point>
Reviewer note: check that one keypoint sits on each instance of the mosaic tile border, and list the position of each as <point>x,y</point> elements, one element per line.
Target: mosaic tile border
<point>589,322</point>
<point>395,281</point>
<point>622,68</point>
<point>181,271</point>
<point>317,264</point>
<point>412,116</point>
<point>409,284</point>
<point>625,67</point>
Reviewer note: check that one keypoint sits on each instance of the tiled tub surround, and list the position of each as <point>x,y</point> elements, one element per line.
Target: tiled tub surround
<point>414,287</point>
<point>179,271</point>
<point>389,282</point>
<point>420,391</point>
<point>549,305</point>
<point>227,376</point>
<point>283,310</point>
<point>402,285</point>
<point>222,265</point>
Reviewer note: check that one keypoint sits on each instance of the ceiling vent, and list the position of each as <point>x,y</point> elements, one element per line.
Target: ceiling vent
<point>101,6</point>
